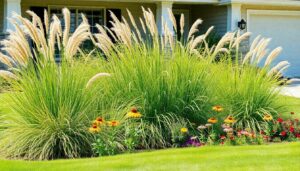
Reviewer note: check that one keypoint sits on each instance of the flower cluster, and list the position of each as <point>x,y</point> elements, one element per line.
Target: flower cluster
<point>281,129</point>
<point>100,122</point>
<point>229,133</point>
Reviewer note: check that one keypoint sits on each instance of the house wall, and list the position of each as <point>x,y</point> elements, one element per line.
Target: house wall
<point>135,8</point>
<point>212,16</point>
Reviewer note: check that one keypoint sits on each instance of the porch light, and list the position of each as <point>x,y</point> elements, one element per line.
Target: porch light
<point>242,24</point>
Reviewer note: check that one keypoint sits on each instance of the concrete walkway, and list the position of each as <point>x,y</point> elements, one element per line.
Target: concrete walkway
<point>291,90</point>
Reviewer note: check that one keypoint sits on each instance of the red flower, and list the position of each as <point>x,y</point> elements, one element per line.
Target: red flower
<point>292,113</point>
<point>280,120</point>
<point>222,137</point>
<point>232,138</point>
<point>283,133</point>
<point>298,135</point>
<point>262,132</point>
<point>292,129</point>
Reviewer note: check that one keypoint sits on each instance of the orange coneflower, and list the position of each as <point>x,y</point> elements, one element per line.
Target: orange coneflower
<point>212,120</point>
<point>94,129</point>
<point>217,108</point>
<point>99,121</point>
<point>268,117</point>
<point>113,123</point>
<point>134,113</point>
<point>229,120</point>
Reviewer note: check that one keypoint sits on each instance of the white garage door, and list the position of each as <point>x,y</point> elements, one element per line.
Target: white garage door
<point>284,29</point>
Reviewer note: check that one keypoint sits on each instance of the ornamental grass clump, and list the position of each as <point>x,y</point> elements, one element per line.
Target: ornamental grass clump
<point>50,105</point>
<point>49,111</point>
<point>186,77</point>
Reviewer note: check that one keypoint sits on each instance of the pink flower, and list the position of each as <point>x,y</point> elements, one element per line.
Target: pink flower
<point>222,137</point>
<point>244,133</point>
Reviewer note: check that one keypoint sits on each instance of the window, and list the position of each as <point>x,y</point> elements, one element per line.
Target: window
<point>93,15</point>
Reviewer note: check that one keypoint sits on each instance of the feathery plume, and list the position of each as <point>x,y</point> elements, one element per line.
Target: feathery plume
<point>194,28</point>
<point>66,14</point>
<point>171,16</point>
<point>273,55</point>
<point>278,67</point>
<point>96,77</point>
<point>8,75</point>
<point>46,21</point>
<point>6,60</point>
<point>181,24</point>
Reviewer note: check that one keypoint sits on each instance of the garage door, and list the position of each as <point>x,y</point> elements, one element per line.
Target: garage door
<point>284,29</point>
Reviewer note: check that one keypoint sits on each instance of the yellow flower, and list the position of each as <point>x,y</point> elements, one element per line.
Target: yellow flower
<point>212,120</point>
<point>217,108</point>
<point>134,113</point>
<point>183,130</point>
<point>268,117</point>
<point>99,121</point>
<point>229,120</point>
<point>94,129</point>
<point>113,123</point>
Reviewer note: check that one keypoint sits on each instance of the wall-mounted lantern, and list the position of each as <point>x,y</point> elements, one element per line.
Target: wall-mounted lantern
<point>242,24</point>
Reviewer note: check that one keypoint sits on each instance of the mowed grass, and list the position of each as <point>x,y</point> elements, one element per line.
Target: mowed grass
<point>293,105</point>
<point>285,156</point>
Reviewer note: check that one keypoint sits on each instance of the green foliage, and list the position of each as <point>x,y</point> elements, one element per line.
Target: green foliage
<point>247,93</point>
<point>161,82</point>
<point>50,113</point>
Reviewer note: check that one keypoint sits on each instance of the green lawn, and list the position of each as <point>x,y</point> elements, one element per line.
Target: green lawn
<point>293,105</point>
<point>266,157</point>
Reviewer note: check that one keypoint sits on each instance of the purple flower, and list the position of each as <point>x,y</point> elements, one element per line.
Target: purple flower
<point>192,142</point>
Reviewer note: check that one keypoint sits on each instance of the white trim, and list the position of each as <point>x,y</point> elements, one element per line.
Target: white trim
<point>173,1</point>
<point>269,13</point>
<point>162,15</point>
<point>286,3</point>
<point>10,6</point>
<point>234,15</point>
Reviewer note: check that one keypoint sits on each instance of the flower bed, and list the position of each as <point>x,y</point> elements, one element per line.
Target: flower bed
<point>214,132</point>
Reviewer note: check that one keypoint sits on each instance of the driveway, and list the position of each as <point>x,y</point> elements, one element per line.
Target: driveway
<point>291,90</point>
